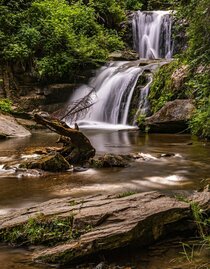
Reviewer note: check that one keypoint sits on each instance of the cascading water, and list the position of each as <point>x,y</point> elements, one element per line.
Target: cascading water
<point>144,107</point>
<point>113,86</point>
<point>152,34</point>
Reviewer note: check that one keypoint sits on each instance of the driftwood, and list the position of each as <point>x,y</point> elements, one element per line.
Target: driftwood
<point>101,223</point>
<point>77,147</point>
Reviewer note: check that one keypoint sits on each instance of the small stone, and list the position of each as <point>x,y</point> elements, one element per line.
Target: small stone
<point>101,265</point>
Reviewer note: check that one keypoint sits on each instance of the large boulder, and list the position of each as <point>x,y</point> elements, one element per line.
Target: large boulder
<point>9,127</point>
<point>171,118</point>
<point>77,229</point>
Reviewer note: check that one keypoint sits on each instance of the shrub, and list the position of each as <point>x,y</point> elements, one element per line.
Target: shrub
<point>5,105</point>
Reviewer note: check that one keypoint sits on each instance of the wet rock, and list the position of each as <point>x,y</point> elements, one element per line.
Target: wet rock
<point>166,155</point>
<point>179,76</point>
<point>9,127</point>
<point>23,172</point>
<point>142,156</point>
<point>172,118</point>
<point>110,160</point>
<point>80,169</point>
<point>55,92</point>
<point>51,163</point>
<point>3,136</point>
<point>124,56</point>
<point>104,223</point>
<point>101,265</point>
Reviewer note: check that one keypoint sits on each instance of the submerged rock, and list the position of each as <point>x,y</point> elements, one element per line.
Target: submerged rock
<point>51,163</point>
<point>110,160</point>
<point>172,118</point>
<point>9,127</point>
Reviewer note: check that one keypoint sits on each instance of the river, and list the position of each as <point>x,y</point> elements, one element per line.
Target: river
<point>185,170</point>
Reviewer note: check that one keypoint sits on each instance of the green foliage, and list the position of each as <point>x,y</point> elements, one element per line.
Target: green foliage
<point>162,89</point>
<point>195,84</point>
<point>55,38</point>
<point>202,240</point>
<point>41,230</point>
<point>109,12</point>
<point>5,105</point>
<point>141,121</point>
<point>126,194</point>
<point>202,221</point>
<point>197,14</point>
<point>158,4</point>
<point>200,122</point>
<point>133,4</point>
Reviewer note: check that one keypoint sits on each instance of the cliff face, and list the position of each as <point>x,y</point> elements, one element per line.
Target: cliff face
<point>28,93</point>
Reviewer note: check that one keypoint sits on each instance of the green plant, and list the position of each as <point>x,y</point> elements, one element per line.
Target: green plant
<point>5,105</point>
<point>188,251</point>
<point>127,193</point>
<point>41,230</point>
<point>140,120</point>
<point>202,240</point>
<point>162,88</point>
<point>54,38</point>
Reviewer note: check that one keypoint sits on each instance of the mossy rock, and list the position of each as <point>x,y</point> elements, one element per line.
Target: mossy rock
<point>52,163</point>
<point>110,160</point>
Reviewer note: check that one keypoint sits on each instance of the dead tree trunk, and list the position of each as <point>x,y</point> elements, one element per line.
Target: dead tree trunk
<point>77,148</point>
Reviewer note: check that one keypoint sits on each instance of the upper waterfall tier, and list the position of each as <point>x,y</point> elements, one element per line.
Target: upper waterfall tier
<point>152,34</point>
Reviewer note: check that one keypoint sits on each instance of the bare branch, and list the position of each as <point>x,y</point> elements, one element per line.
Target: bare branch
<point>78,109</point>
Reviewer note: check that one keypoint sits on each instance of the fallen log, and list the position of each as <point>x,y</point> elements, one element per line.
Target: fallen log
<point>77,147</point>
<point>78,229</point>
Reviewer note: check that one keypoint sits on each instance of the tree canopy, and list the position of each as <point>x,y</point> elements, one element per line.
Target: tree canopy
<point>53,36</point>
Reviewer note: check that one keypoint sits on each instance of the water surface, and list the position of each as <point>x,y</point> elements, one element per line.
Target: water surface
<point>186,170</point>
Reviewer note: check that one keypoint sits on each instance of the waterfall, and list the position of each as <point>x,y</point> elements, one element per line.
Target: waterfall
<point>152,34</point>
<point>144,107</point>
<point>112,88</point>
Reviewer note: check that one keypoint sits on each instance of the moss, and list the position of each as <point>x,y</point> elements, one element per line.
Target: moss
<point>5,105</point>
<point>164,87</point>
<point>54,163</point>
<point>40,230</point>
<point>43,230</point>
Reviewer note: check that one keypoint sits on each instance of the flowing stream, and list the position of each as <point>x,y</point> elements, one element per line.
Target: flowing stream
<point>113,88</point>
<point>185,171</point>
<point>111,91</point>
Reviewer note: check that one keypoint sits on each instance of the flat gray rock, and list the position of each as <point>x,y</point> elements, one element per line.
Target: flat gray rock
<point>11,128</point>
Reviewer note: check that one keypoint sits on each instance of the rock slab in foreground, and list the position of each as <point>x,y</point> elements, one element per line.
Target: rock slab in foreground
<point>9,127</point>
<point>108,223</point>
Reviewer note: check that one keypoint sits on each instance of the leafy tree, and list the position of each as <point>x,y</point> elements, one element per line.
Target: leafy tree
<point>53,37</point>
<point>198,57</point>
